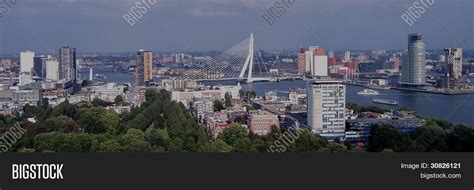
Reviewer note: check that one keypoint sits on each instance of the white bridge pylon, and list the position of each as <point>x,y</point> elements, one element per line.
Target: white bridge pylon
<point>233,64</point>
<point>249,61</point>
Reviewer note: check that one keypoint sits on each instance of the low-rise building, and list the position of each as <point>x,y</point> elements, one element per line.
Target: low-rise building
<point>261,122</point>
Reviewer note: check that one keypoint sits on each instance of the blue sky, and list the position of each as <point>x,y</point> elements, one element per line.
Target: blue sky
<point>188,25</point>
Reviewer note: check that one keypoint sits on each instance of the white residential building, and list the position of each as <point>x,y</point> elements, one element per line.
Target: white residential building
<point>26,67</point>
<point>320,66</point>
<point>52,69</point>
<point>326,108</point>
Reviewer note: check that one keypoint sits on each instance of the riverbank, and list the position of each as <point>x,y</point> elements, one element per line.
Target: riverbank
<point>440,91</point>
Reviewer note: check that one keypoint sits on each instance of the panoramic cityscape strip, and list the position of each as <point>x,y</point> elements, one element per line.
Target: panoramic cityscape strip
<point>72,96</point>
<point>240,99</point>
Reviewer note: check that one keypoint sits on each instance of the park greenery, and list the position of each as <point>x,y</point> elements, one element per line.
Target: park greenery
<point>162,125</point>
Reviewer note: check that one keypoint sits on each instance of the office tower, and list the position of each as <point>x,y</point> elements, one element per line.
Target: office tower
<point>454,62</point>
<point>52,69</point>
<point>326,108</point>
<point>413,62</point>
<point>67,64</point>
<point>26,67</point>
<point>27,61</point>
<point>39,68</point>
<point>144,70</point>
<point>302,61</point>
<point>347,56</point>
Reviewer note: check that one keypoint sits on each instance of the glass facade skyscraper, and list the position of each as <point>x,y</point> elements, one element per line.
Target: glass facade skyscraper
<point>414,62</point>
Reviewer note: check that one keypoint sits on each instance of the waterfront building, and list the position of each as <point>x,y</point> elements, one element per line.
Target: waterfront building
<point>302,61</point>
<point>413,71</point>
<point>326,108</point>
<point>261,122</point>
<point>320,66</point>
<point>454,62</point>
<point>144,70</point>
<point>178,84</point>
<point>67,64</point>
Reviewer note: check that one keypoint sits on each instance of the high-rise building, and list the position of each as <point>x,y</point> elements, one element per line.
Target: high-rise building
<point>26,67</point>
<point>39,68</point>
<point>309,61</point>
<point>319,67</point>
<point>414,62</point>
<point>326,108</point>
<point>27,61</point>
<point>67,64</point>
<point>347,56</point>
<point>454,62</point>
<point>144,70</point>
<point>52,69</point>
<point>302,61</point>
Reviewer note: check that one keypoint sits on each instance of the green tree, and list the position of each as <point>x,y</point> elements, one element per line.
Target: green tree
<point>91,120</point>
<point>118,100</point>
<point>307,142</point>
<point>217,146</point>
<point>228,100</point>
<point>241,93</point>
<point>177,145</point>
<point>388,137</point>
<point>86,83</point>
<point>252,94</point>
<point>218,106</point>
<point>134,141</point>
<point>66,109</point>
<point>461,139</point>
<point>159,137</point>
<point>235,135</point>
<point>97,102</point>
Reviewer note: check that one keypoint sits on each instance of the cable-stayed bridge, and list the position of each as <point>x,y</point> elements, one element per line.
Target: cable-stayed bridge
<point>236,63</point>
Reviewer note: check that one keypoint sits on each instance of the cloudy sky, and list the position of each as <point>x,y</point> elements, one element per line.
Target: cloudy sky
<point>187,25</point>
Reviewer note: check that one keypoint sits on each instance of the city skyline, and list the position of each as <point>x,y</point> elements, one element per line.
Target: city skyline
<point>193,26</point>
